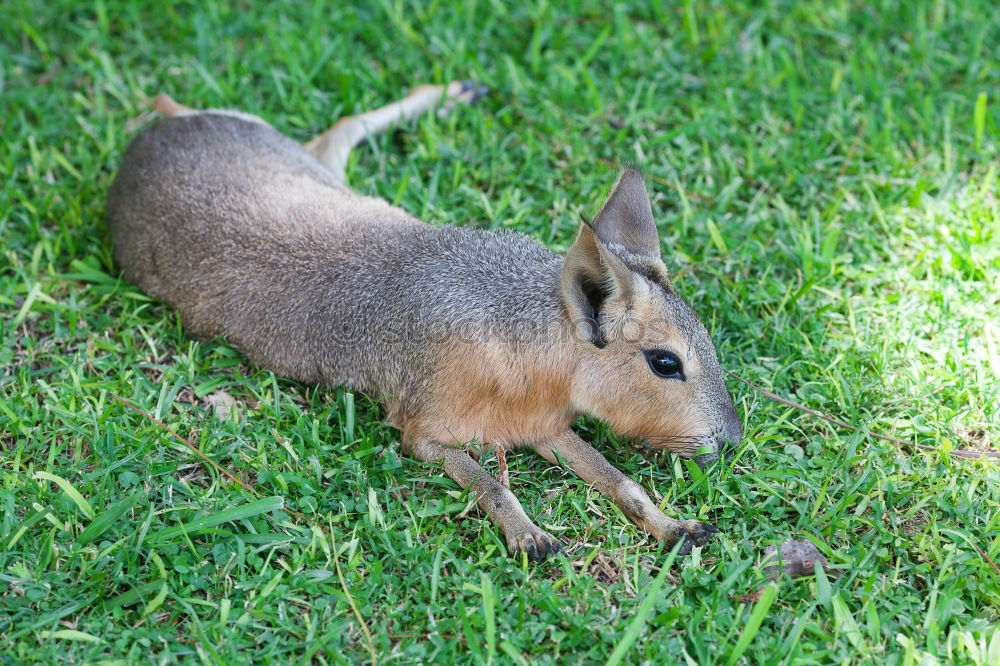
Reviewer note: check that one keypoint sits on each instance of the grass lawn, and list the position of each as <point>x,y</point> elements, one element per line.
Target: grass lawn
<point>825,175</point>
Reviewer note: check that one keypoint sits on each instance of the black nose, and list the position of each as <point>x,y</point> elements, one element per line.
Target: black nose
<point>732,433</point>
<point>726,444</point>
<point>726,447</point>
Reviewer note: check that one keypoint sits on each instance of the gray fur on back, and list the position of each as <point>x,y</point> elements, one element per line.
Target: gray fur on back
<point>249,237</point>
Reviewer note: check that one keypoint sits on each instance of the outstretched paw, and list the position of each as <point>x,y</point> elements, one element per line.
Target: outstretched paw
<point>535,542</point>
<point>694,533</point>
<point>461,92</point>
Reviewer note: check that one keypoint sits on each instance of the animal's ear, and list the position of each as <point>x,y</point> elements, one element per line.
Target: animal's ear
<point>626,219</point>
<point>591,276</point>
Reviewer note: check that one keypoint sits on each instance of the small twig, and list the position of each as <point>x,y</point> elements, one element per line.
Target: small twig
<point>694,195</point>
<point>986,557</point>
<point>503,475</point>
<point>837,422</point>
<point>222,470</point>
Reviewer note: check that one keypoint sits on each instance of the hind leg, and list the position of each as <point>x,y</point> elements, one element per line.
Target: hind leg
<point>333,146</point>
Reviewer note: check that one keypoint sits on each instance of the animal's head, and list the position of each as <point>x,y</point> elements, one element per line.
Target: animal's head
<point>646,365</point>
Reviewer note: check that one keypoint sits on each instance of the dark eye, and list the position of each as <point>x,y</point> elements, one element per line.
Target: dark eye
<point>665,364</point>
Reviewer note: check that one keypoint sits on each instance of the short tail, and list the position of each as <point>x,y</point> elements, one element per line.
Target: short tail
<point>165,104</point>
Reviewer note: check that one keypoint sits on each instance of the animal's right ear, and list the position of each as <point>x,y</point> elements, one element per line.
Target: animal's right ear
<point>626,218</point>
<point>591,276</point>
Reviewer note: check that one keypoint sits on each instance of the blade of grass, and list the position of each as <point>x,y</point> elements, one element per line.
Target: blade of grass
<point>639,620</point>
<point>979,120</point>
<point>69,635</point>
<point>232,514</point>
<point>753,623</point>
<point>68,488</point>
<point>104,520</point>
<point>489,617</point>
<point>350,598</point>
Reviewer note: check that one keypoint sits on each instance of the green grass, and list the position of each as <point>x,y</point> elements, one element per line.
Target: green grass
<point>825,174</point>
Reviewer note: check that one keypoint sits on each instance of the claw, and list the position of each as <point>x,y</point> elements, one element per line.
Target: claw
<point>556,549</point>
<point>471,91</point>
<point>694,534</point>
<point>535,543</point>
<point>467,93</point>
<point>480,91</point>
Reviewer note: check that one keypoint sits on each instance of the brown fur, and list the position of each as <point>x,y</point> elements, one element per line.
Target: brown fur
<point>252,237</point>
<point>508,399</point>
<point>166,105</point>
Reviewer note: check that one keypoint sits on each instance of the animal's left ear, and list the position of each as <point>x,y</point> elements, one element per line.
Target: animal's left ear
<point>626,219</point>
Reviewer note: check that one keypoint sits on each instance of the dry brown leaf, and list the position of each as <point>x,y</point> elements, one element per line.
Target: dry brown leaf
<point>223,405</point>
<point>796,559</point>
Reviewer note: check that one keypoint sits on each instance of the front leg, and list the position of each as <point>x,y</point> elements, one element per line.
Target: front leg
<point>593,468</point>
<point>498,502</point>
